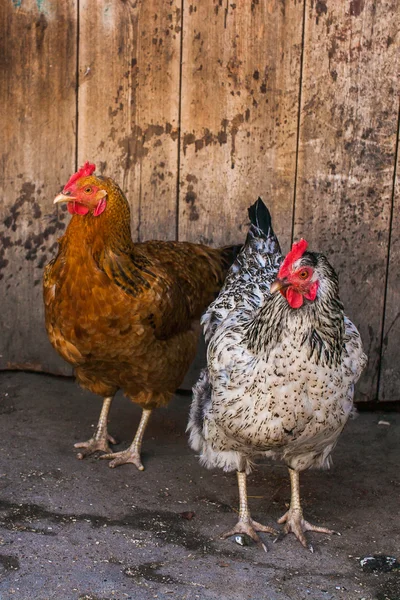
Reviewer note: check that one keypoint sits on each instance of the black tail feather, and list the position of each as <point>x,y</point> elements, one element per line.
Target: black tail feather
<point>261,226</point>
<point>260,216</point>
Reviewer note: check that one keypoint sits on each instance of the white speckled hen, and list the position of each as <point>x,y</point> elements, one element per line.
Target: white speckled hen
<point>282,363</point>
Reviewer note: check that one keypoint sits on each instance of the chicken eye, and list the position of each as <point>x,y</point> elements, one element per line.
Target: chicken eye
<point>303,274</point>
<point>88,190</point>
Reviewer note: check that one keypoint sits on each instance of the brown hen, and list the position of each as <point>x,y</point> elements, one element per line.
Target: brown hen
<point>125,314</point>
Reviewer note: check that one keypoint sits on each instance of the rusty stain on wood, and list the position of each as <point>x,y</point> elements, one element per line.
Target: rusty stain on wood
<point>37,95</point>
<point>128,107</point>
<point>240,86</point>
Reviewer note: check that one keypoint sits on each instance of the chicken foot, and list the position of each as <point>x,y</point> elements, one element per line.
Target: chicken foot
<point>293,518</point>
<point>245,523</point>
<point>131,454</point>
<point>99,442</point>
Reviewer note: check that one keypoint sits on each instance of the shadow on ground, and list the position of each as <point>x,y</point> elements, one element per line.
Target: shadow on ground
<point>77,530</point>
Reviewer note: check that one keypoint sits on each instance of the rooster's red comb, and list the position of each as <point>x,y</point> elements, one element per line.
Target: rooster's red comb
<point>296,252</point>
<point>84,171</point>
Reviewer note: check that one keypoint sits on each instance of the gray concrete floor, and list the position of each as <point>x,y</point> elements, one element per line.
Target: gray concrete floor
<point>74,529</point>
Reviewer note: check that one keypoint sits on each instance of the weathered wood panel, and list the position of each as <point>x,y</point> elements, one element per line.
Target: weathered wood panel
<point>348,126</point>
<point>228,130</point>
<point>37,99</point>
<point>129,63</point>
<point>389,388</point>
<point>240,88</point>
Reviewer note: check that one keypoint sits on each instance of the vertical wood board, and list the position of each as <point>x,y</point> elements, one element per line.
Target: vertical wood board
<point>389,388</point>
<point>37,141</point>
<point>348,129</point>
<point>240,88</point>
<point>129,57</point>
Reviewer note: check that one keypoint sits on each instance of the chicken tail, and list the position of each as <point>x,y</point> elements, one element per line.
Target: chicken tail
<point>261,225</point>
<point>260,253</point>
<point>260,217</point>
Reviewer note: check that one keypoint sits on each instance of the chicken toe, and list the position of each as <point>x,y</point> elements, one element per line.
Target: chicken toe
<point>295,523</point>
<point>131,454</point>
<point>99,441</point>
<point>245,523</point>
<point>293,518</point>
<point>250,527</point>
<point>94,445</point>
<point>123,458</point>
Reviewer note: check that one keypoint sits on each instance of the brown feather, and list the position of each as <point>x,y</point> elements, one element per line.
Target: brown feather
<point>126,315</point>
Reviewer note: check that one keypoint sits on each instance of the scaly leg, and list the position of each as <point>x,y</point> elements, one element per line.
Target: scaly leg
<point>131,454</point>
<point>99,442</point>
<point>293,518</point>
<point>245,523</point>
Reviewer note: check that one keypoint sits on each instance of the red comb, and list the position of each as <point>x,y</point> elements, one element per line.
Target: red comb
<point>84,171</point>
<point>296,252</point>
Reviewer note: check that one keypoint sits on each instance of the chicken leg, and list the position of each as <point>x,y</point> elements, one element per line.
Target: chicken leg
<point>245,523</point>
<point>99,442</point>
<point>293,518</point>
<point>131,454</point>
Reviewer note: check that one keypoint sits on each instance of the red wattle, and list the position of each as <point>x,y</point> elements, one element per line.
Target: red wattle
<point>77,209</point>
<point>294,298</point>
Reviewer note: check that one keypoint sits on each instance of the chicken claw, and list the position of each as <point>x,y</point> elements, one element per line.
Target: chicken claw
<point>293,518</point>
<point>250,527</point>
<point>295,523</point>
<point>245,523</point>
<point>94,445</point>
<point>99,442</point>
<point>123,458</point>
<point>131,454</point>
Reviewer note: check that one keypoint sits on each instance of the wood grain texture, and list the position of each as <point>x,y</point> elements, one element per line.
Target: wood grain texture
<point>128,104</point>
<point>233,114</point>
<point>37,98</point>
<point>240,88</point>
<point>348,127</point>
<point>389,381</point>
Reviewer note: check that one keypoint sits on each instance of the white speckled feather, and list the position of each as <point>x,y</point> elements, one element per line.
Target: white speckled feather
<point>279,381</point>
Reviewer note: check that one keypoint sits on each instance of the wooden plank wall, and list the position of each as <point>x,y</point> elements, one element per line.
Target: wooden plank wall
<point>390,367</point>
<point>240,90</point>
<point>37,142</point>
<point>196,108</point>
<point>129,104</point>
<point>348,132</point>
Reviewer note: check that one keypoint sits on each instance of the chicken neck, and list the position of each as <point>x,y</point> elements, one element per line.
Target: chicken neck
<point>110,230</point>
<point>318,325</point>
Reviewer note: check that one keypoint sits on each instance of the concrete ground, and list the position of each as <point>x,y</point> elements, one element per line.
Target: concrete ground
<point>77,530</point>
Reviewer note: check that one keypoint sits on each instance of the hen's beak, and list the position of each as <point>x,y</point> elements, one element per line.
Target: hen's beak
<point>63,198</point>
<point>278,285</point>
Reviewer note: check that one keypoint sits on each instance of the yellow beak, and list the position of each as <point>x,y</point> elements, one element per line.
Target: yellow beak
<point>278,285</point>
<point>63,198</point>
